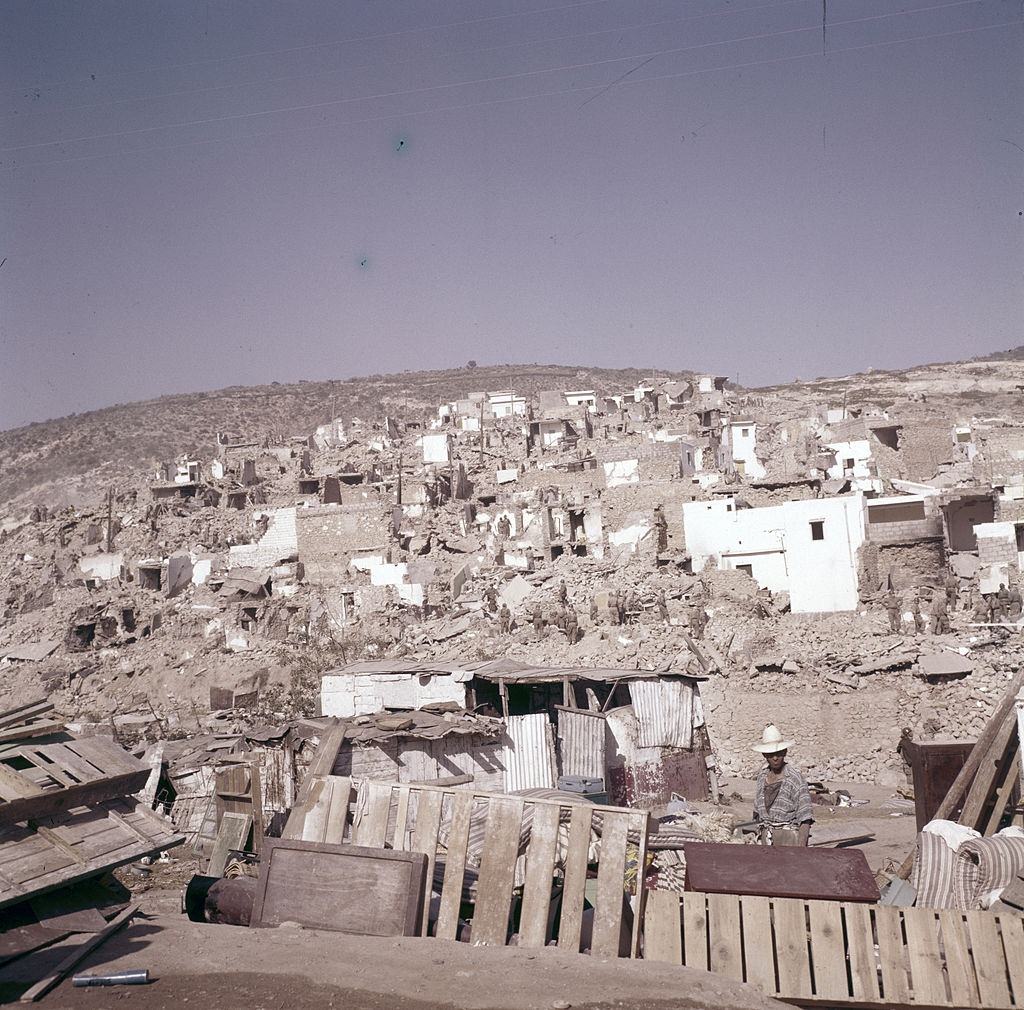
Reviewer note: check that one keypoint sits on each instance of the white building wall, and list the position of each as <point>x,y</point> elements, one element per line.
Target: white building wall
<point>278,543</point>
<point>437,448</point>
<point>743,446</point>
<point>859,451</point>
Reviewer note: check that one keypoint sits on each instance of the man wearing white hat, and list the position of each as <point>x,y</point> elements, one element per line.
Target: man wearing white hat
<point>782,803</point>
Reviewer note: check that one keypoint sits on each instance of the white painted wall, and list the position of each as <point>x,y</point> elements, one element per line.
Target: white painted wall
<point>279,542</point>
<point>619,472</point>
<point>103,567</point>
<point>743,446</point>
<point>820,575</point>
<point>437,448</point>
<point>858,450</point>
<point>349,694</point>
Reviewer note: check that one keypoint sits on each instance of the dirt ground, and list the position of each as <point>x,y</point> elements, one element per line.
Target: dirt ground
<point>234,968</point>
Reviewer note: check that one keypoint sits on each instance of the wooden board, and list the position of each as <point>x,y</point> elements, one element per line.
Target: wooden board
<point>825,954</point>
<point>42,779</point>
<point>78,844</point>
<point>776,871</point>
<point>232,835</point>
<point>348,888</point>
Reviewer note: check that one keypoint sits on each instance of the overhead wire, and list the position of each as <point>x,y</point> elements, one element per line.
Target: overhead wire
<point>320,45</point>
<point>816,54</point>
<point>417,59</point>
<point>239,117</point>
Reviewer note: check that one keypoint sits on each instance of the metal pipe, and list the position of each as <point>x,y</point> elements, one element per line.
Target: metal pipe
<point>131,977</point>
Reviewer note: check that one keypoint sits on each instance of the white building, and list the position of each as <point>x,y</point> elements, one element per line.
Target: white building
<point>437,448</point>
<point>506,404</point>
<point>743,442</point>
<point>806,548</point>
<point>582,398</point>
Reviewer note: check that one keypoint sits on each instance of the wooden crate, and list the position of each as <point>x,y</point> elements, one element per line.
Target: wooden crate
<point>532,851</point>
<point>831,953</point>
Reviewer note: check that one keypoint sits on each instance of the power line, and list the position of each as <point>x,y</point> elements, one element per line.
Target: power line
<point>241,116</point>
<point>543,94</point>
<point>322,45</point>
<point>418,59</point>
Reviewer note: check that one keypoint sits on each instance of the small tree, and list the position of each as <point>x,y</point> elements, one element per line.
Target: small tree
<point>471,363</point>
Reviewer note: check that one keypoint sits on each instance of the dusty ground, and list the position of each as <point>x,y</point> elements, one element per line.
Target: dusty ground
<point>234,968</point>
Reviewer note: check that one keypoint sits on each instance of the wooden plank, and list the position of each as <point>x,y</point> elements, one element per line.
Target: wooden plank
<point>926,979</point>
<point>1012,929</point>
<point>1004,794</point>
<point>455,867</point>
<point>497,870</point>
<point>401,819</point>
<point>348,888</point>
<point>828,950</point>
<point>338,803</point>
<point>724,934</point>
<point>310,823</point>
<point>663,928</point>
<point>42,987</point>
<point>989,960</point>
<point>14,786</point>
<point>53,801</point>
<point>232,834</point>
<point>889,926</point>
<point>860,948</point>
<point>984,782</point>
<point>571,920</point>
<point>611,873</point>
<point>779,871</point>
<point>540,877</point>
<point>963,985</point>
<point>695,931</point>
<point>758,949</point>
<point>13,716</point>
<point>29,730</point>
<point>424,838</point>
<point>642,823</point>
<point>58,842</point>
<point>372,827</point>
<point>790,921</point>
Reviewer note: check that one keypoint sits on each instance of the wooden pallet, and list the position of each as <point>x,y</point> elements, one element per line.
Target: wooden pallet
<point>414,819</point>
<point>42,855</point>
<point>39,778</point>
<point>831,953</point>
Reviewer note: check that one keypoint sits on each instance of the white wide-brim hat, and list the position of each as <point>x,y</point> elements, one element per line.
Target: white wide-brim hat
<point>771,741</point>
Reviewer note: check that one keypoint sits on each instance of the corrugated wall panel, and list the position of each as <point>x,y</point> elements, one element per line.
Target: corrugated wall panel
<point>529,753</point>
<point>664,711</point>
<point>581,744</point>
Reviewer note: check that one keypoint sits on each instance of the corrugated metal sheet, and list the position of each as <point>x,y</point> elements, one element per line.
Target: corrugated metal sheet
<point>581,743</point>
<point>664,711</point>
<point>529,753</point>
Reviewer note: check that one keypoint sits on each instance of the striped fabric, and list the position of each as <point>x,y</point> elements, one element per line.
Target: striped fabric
<point>932,876</point>
<point>984,865</point>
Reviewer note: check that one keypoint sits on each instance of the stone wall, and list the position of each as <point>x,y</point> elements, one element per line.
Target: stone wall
<point>329,535</point>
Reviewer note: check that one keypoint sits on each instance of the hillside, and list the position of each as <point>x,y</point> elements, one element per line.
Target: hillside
<point>74,459</point>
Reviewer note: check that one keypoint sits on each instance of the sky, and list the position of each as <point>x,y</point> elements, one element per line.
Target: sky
<point>203,194</point>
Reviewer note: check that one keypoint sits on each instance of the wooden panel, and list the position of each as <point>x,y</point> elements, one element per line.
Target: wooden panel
<point>861,951</point>
<point>371,828</point>
<point>31,864</point>
<point>424,838</point>
<point>571,921</point>
<point>695,931</point>
<point>540,876</point>
<point>232,834</point>
<point>348,888</point>
<point>455,866</point>
<point>926,978</point>
<point>963,986</point>
<point>337,825</point>
<point>497,870</point>
<point>890,952</point>
<point>611,873</point>
<point>989,962</point>
<point>663,928</point>
<point>836,874</point>
<point>724,933</point>
<point>758,948</point>
<point>828,951</point>
<point>790,920</point>
<point>1012,929</point>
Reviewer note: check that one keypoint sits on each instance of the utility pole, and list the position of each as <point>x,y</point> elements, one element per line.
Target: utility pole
<point>110,519</point>
<point>399,489</point>
<point>481,434</point>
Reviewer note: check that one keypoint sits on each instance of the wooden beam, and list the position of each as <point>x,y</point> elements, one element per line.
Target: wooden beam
<point>42,987</point>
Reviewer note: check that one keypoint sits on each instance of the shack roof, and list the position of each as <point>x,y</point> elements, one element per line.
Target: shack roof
<point>507,670</point>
